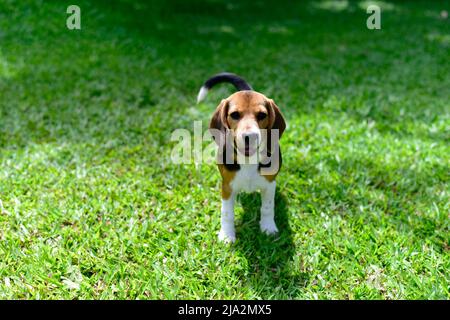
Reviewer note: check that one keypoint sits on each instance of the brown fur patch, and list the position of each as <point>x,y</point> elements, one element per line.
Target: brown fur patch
<point>271,177</point>
<point>227,177</point>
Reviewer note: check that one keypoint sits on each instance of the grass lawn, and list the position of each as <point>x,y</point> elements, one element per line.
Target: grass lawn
<point>91,207</point>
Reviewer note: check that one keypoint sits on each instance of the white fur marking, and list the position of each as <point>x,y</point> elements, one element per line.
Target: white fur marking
<point>202,94</point>
<point>248,179</point>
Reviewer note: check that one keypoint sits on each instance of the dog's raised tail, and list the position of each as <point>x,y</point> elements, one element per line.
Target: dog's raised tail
<point>239,83</point>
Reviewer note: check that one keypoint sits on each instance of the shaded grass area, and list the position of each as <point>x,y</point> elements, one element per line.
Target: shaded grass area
<point>92,207</point>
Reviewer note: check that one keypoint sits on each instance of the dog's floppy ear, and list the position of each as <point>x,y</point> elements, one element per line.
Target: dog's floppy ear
<point>276,119</point>
<point>218,125</point>
<point>219,118</point>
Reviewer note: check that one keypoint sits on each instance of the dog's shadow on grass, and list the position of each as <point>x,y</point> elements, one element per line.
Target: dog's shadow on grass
<point>269,270</point>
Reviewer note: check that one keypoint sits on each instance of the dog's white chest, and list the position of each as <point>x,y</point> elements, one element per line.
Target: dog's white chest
<point>248,179</point>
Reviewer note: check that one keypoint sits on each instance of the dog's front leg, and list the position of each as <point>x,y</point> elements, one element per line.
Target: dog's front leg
<point>227,232</point>
<point>267,222</point>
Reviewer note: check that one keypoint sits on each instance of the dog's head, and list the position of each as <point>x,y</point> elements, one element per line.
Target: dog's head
<point>246,114</point>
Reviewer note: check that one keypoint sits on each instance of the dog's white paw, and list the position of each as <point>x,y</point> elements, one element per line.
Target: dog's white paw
<point>268,227</point>
<point>227,236</point>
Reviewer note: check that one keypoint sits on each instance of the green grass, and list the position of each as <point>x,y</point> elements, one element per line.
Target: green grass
<point>92,207</point>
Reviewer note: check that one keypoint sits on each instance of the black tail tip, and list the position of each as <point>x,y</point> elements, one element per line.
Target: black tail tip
<point>238,82</point>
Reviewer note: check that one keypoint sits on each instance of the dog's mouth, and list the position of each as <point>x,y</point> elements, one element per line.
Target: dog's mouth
<point>248,149</point>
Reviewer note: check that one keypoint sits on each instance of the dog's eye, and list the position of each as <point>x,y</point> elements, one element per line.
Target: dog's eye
<point>261,116</point>
<point>235,115</point>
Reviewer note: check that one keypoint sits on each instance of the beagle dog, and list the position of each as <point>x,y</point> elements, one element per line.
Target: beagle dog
<point>246,126</point>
